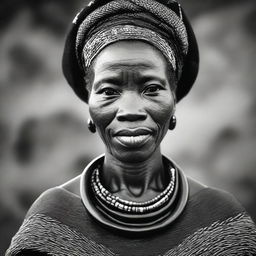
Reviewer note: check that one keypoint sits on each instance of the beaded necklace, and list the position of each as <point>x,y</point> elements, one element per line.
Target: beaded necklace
<point>130,206</point>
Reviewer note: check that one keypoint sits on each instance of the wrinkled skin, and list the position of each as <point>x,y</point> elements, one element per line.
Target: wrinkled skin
<point>130,89</point>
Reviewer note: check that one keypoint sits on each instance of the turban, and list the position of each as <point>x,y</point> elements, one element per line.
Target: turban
<point>161,23</point>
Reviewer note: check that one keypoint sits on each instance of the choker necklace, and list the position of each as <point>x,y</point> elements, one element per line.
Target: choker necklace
<point>131,206</point>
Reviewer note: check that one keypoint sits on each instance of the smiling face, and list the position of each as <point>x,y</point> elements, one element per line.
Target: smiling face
<point>131,100</point>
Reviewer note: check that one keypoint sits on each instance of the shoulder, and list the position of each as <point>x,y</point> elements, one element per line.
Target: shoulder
<point>57,213</point>
<point>213,220</point>
<point>72,186</point>
<point>217,200</point>
<point>208,206</point>
<point>53,202</point>
<point>210,197</point>
<point>57,198</point>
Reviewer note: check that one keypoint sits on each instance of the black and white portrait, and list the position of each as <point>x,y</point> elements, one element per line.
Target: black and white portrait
<point>127,127</point>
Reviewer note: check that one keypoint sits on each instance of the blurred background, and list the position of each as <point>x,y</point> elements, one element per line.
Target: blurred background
<point>44,140</point>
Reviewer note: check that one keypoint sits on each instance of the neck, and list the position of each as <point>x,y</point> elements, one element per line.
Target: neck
<point>136,181</point>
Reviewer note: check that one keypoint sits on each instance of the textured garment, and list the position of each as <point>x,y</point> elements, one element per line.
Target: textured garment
<point>125,32</point>
<point>99,29</point>
<point>213,223</point>
<point>163,13</point>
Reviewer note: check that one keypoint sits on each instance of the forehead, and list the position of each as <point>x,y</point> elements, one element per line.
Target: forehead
<point>129,55</point>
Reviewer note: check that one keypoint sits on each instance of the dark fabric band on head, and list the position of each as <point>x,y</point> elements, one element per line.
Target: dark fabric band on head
<point>125,32</point>
<point>147,25</point>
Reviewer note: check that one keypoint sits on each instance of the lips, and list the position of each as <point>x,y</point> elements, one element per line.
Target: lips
<point>133,132</point>
<point>133,137</point>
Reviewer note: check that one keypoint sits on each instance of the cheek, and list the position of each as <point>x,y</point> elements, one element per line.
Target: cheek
<point>101,115</point>
<point>162,111</point>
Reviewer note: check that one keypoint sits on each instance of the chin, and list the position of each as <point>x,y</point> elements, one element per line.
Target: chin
<point>133,156</point>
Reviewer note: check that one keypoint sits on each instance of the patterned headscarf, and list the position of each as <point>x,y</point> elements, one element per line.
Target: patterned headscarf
<point>160,23</point>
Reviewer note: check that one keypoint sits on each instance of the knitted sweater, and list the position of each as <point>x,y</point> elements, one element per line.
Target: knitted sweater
<point>212,223</point>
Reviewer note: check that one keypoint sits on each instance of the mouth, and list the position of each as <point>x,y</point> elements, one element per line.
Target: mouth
<point>133,137</point>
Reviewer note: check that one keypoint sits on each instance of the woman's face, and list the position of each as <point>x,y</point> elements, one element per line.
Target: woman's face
<point>131,100</point>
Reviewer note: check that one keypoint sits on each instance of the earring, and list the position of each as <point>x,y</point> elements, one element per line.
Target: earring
<point>173,122</point>
<point>91,126</point>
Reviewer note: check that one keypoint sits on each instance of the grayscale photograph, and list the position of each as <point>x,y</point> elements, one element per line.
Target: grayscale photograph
<point>127,128</point>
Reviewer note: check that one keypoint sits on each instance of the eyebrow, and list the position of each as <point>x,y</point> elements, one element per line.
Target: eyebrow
<point>142,79</point>
<point>115,80</point>
<point>146,78</point>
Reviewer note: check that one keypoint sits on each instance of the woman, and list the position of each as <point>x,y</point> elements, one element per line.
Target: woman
<point>132,61</point>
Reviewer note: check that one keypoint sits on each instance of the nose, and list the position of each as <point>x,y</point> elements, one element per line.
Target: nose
<point>131,108</point>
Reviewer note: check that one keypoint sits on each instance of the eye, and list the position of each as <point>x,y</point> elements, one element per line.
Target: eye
<point>108,91</point>
<point>152,89</point>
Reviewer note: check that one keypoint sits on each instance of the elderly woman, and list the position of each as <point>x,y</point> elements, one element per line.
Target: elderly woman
<point>132,61</point>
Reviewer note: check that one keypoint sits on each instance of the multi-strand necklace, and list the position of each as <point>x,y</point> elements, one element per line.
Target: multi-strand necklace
<point>122,205</point>
<point>129,216</point>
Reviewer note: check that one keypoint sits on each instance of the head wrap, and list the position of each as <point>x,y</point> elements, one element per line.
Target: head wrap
<point>161,23</point>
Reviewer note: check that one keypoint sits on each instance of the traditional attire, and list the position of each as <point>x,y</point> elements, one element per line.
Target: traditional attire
<point>60,223</point>
<point>213,223</point>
